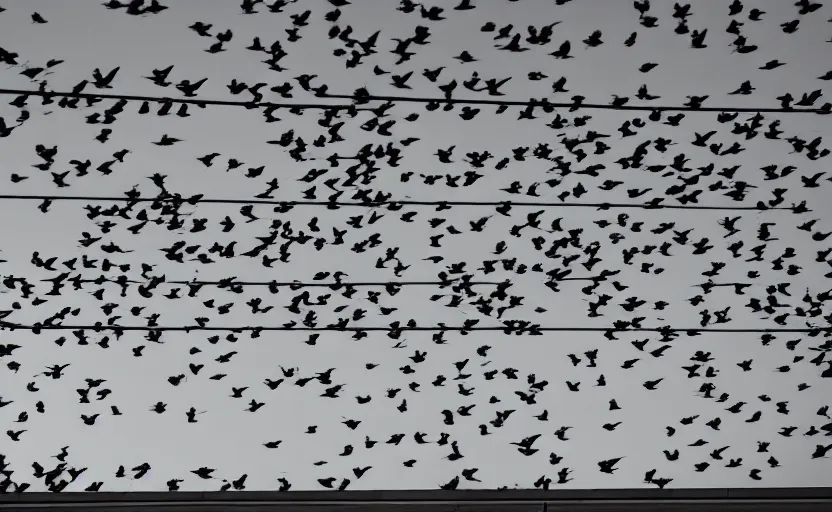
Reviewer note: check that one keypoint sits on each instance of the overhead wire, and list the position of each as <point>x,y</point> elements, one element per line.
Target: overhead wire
<point>394,203</point>
<point>409,99</point>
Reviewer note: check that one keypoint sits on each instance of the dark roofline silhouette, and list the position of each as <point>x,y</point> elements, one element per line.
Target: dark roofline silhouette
<point>513,500</point>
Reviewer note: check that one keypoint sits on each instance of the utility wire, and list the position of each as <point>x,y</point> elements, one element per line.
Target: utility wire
<point>394,99</point>
<point>394,203</point>
<point>575,106</point>
<point>164,99</point>
<point>509,329</point>
<point>299,284</point>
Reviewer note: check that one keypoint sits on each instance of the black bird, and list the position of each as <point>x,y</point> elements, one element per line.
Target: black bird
<point>103,81</point>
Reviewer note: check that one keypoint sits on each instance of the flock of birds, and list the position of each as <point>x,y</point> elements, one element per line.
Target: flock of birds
<point>761,265</point>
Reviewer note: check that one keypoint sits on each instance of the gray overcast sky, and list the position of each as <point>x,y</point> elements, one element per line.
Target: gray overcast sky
<point>634,255</point>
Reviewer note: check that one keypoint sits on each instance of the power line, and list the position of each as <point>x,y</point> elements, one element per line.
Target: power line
<point>163,99</point>
<point>366,98</point>
<point>576,106</point>
<point>334,285</point>
<point>531,329</point>
<point>405,202</point>
<point>300,284</point>
<point>274,285</point>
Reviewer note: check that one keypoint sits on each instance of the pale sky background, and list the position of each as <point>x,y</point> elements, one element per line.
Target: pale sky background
<point>85,35</point>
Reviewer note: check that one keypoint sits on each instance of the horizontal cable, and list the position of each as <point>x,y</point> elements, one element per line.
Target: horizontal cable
<point>394,99</point>
<point>300,284</point>
<point>516,330</point>
<point>162,99</point>
<point>375,204</point>
<point>573,105</point>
